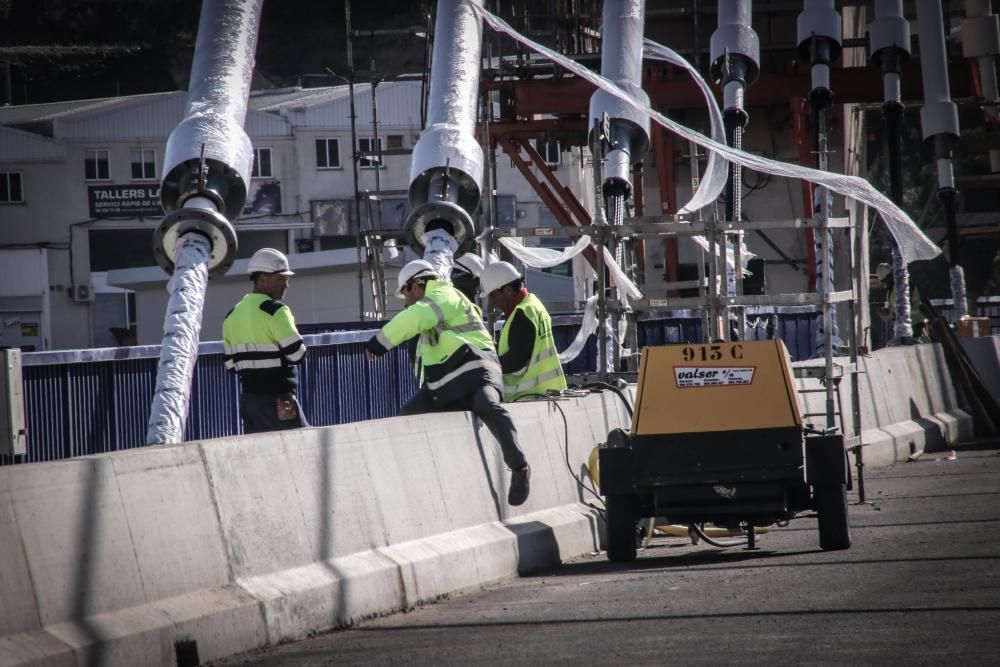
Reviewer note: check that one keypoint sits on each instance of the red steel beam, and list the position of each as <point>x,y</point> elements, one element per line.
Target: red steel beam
<point>510,147</point>
<point>571,95</point>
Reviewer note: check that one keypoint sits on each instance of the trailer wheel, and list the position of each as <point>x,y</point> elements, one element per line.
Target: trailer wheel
<point>831,506</point>
<point>620,526</point>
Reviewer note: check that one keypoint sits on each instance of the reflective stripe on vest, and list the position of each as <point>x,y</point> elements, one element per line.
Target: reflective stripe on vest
<point>464,368</point>
<point>525,386</point>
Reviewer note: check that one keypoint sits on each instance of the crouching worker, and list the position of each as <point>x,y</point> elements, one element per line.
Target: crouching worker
<point>263,346</point>
<point>460,366</point>
<point>528,354</point>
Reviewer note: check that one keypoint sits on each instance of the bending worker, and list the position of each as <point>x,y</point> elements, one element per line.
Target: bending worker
<point>465,275</point>
<point>460,366</point>
<point>263,346</point>
<point>528,354</point>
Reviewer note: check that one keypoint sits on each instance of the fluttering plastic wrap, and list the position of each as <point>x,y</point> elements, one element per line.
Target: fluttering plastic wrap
<point>179,351</point>
<point>713,181</point>
<point>543,258</point>
<point>587,327</point>
<point>912,242</point>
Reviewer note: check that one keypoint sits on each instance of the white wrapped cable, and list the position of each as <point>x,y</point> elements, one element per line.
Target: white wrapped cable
<point>903,324</point>
<point>181,331</point>
<point>960,308</point>
<point>440,252</point>
<point>912,242</point>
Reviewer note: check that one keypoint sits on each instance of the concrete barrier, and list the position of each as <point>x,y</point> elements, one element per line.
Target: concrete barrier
<point>985,356</point>
<point>157,555</point>
<point>908,404</point>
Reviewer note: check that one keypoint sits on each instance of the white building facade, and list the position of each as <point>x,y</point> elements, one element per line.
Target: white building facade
<point>79,200</point>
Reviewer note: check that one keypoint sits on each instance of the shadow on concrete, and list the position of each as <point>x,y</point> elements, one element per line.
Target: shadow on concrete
<point>537,546</point>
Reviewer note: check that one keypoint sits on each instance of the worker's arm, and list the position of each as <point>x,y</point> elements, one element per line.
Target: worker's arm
<point>286,335</point>
<point>520,342</point>
<point>413,321</point>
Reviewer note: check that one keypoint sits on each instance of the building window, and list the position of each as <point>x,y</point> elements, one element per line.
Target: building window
<point>328,153</point>
<point>96,165</point>
<point>10,187</point>
<point>369,145</point>
<point>549,149</point>
<point>143,164</point>
<point>261,163</point>
<point>394,141</point>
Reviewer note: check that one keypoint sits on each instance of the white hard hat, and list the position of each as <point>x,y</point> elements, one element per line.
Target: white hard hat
<point>498,274</point>
<point>269,260</point>
<point>470,262</point>
<point>418,268</point>
<point>883,270</point>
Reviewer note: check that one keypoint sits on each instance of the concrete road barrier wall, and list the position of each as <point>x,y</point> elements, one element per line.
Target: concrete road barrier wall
<point>985,356</point>
<point>231,544</point>
<point>908,403</point>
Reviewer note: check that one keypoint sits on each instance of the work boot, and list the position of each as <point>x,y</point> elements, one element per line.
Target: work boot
<point>519,485</point>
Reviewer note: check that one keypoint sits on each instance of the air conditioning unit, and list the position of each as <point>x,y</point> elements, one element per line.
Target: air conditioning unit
<point>82,293</point>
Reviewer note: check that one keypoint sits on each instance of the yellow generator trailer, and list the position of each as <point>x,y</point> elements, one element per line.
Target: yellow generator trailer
<point>717,436</point>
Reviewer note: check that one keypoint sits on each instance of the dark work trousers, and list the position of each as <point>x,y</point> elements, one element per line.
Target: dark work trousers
<point>260,413</point>
<point>484,402</point>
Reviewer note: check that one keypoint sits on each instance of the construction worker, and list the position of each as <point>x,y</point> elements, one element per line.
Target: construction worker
<point>465,275</point>
<point>528,355</point>
<point>263,346</point>
<point>460,365</point>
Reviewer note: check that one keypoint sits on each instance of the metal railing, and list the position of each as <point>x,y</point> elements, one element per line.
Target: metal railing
<point>80,402</point>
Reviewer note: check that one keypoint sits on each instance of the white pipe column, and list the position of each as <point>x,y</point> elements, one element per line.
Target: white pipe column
<point>981,40</point>
<point>939,121</point>
<point>446,170</point>
<point>206,172</point>
<point>889,39</point>
<point>622,26</point>
<point>735,57</point>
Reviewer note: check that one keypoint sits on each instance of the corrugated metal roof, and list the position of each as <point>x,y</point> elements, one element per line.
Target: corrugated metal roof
<point>19,146</point>
<point>144,116</point>
<point>329,108</point>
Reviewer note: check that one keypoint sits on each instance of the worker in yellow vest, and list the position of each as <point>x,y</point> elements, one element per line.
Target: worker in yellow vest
<point>528,355</point>
<point>460,366</point>
<point>263,347</point>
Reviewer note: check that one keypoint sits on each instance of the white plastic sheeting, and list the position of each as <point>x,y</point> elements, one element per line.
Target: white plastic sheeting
<point>587,327</point>
<point>541,258</point>
<point>179,351</point>
<point>713,181</point>
<point>912,242</point>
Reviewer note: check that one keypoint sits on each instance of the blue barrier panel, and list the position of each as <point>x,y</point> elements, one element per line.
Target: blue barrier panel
<point>80,402</point>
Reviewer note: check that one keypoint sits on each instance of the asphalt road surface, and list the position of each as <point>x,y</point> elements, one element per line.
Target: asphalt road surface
<point>920,586</point>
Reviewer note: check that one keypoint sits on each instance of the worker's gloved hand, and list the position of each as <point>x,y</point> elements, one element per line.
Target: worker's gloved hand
<point>373,348</point>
